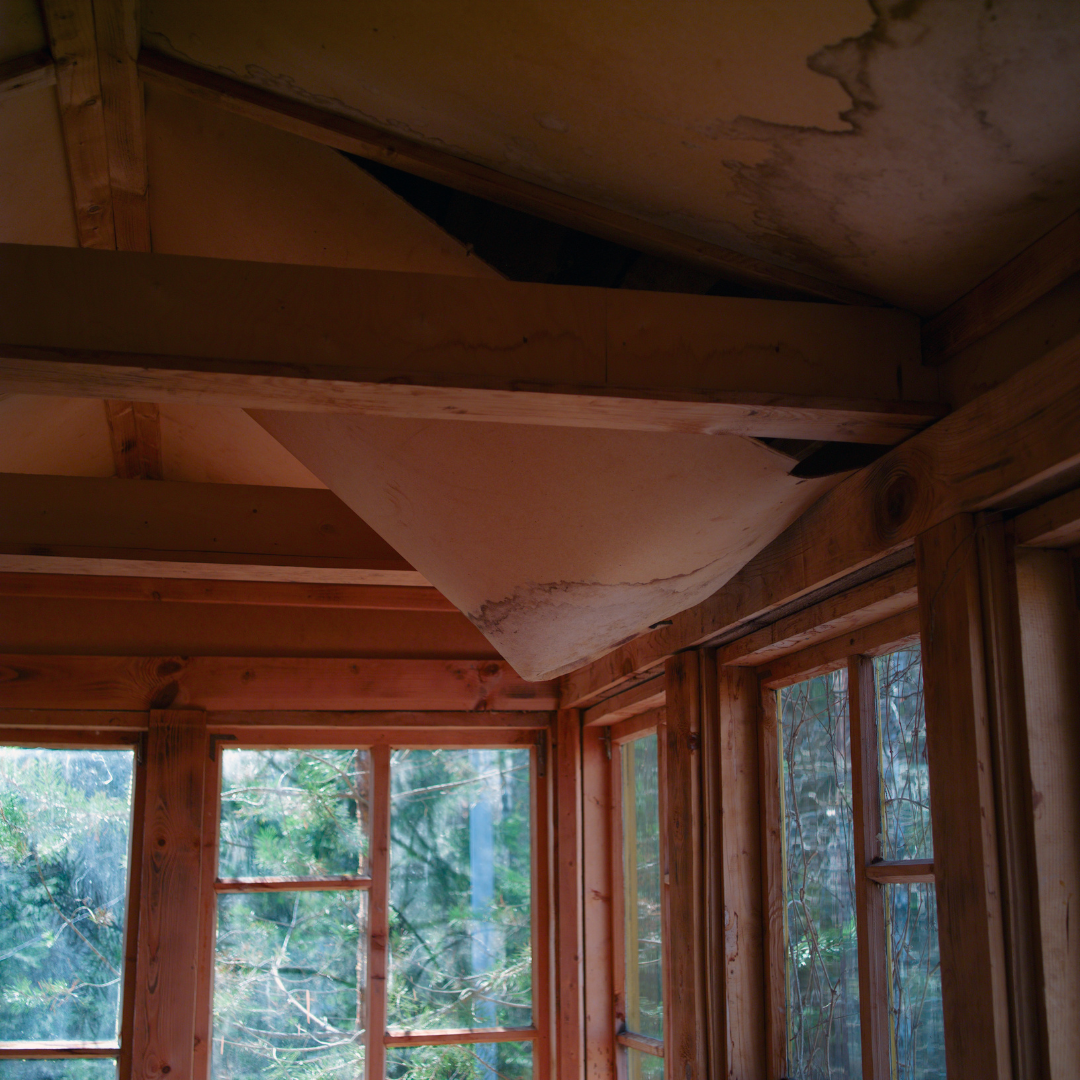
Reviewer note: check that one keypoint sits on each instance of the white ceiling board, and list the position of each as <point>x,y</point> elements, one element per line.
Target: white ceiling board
<point>36,205</point>
<point>54,436</point>
<point>558,543</point>
<point>905,149</point>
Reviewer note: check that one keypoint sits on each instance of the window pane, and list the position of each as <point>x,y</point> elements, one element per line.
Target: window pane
<point>641,887</point>
<point>917,1017</point>
<point>640,1066</point>
<point>289,985</point>
<point>79,1069</point>
<point>475,1061</point>
<point>460,888</point>
<point>905,777</point>
<point>294,813</point>
<point>819,893</point>
<point>65,831</point>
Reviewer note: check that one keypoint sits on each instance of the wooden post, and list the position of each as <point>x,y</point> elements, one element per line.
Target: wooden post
<point>973,979</point>
<point>163,1039</point>
<point>730,744</point>
<point>569,951</point>
<point>1046,605</point>
<point>683,899</point>
<point>378,911</point>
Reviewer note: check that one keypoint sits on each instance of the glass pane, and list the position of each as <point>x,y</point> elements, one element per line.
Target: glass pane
<point>460,888</point>
<point>640,1066</point>
<point>819,892</point>
<point>65,831</point>
<point>289,985</point>
<point>641,887</point>
<point>79,1069</point>
<point>917,1018</point>
<point>475,1061</point>
<point>905,777</point>
<point>294,813</point>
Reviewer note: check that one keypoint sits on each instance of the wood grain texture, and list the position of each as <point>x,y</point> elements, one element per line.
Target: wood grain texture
<point>962,804</point>
<point>226,683</point>
<point>375,144</point>
<point>1016,285</point>
<point>774,919</point>
<point>300,725</point>
<point>685,1037</point>
<point>1016,439</point>
<point>631,702</point>
<point>26,72</point>
<point>569,925</point>
<point>379,912</point>
<point>135,435</point>
<point>743,1010</point>
<point>76,719</point>
<point>1053,524</point>
<point>1049,642</point>
<point>903,872</point>
<point>458,1036</point>
<point>167,970</point>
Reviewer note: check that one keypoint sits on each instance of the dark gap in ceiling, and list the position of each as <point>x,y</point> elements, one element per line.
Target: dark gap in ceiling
<point>524,247</point>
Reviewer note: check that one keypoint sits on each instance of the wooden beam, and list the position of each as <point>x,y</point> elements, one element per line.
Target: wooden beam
<point>631,702</point>
<point>98,527</point>
<point>900,872</point>
<point>156,328</point>
<point>997,451</point>
<point>247,593</point>
<point>135,435</point>
<point>962,804</point>
<point>298,722</point>
<point>26,72</point>
<point>375,144</point>
<point>1035,271</point>
<point>1054,524</point>
<point>265,683</point>
<point>458,1036</point>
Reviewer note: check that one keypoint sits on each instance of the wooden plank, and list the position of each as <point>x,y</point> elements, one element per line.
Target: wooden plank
<point>894,633</point>
<point>26,73</point>
<point>627,703</point>
<point>900,872</point>
<point>56,1049</point>
<point>208,905</point>
<point>544,993</point>
<point>246,593</point>
<point>1054,524</point>
<point>379,912</point>
<point>458,1036</point>
<point>367,141</point>
<point>774,911</point>
<point>868,603</point>
<point>647,1045</point>
<point>598,908</point>
<point>1051,692</point>
<point>265,683</point>
<point>154,328</point>
<point>714,936</point>
<point>415,738</point>
<point>95,526</point>
<point>743,1011</point>
<point>569,926</point>
<point>164,1031</point>
<point>973,978</point>
<point>280,884</point>
<point>685,1049</point>
<point>135,435</point>
<point>1019,283</point>
<point>875,993</point>
<point>1017,439</point>
<point>76,719</point>
<point>299,724</point>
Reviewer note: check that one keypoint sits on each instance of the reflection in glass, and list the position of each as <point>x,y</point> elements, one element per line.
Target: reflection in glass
<point>460,889</point>
<point>294,813</point>
<point>65,829</point>
<point>641,1066</point>
<point>819,894</point>
<point>76,1069</point>
<point>290,977</point>
<point>917,1017</point>
<point>641,887</point>
<point>905,775</point>
<point>475,1061</point>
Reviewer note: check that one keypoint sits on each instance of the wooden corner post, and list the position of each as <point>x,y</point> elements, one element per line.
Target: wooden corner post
<point>958,739</point>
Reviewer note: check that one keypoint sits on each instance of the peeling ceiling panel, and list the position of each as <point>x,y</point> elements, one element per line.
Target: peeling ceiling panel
<point>558,543</point>
<point>906,150</point>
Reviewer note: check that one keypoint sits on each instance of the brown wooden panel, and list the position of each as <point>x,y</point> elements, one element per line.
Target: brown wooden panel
<point>26,72</point>
<point>1054,524</point>
<point>631,702</point>
<point>379,911</point>
<point>135,434</point>
<point>458,1036</point>
<point>774,924</point>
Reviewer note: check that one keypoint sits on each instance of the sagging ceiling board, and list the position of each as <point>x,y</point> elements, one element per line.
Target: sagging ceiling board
<point>557,543</point>
<point>904,149</point>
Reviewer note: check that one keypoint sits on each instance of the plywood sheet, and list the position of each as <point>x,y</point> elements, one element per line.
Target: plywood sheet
<point>54,436</point>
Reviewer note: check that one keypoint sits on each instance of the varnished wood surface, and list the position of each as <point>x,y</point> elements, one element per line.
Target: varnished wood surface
<point>631,702</point>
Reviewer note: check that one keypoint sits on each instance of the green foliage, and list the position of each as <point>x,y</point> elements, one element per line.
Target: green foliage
<point>496,1061</point>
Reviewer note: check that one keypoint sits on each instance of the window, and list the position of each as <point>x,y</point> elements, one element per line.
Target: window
<point>65,862</point>
<point>862,991</point>
<point>374,912</point>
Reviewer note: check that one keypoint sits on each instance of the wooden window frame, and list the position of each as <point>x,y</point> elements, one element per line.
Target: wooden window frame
<point>856,653</point>
<point>121,1052</point>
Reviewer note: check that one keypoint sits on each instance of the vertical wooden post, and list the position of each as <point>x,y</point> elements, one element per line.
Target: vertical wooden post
<point>379,911</point>
<point>597,905</point>
<point>683,899</point>
<point>1046,604</point>
<point>973,980</point>
<point>204,994</point>
<point>732,751</point>
<point>163,1038</point>
<point>874,990</point>
<point>569,951</point>
<point>544,942</point>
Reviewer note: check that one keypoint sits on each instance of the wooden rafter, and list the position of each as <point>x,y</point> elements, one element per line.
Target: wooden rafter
<point>26,72</point>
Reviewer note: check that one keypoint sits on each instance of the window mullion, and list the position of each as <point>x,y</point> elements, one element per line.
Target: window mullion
<point>869,895</point>
<point>378,912</point>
